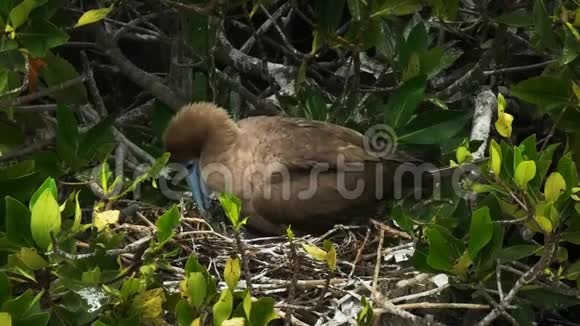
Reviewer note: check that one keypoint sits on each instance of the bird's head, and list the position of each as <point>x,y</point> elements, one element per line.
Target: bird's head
<point>196,128</point>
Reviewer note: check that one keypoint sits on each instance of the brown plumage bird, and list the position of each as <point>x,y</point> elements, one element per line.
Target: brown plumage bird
<point>309,174</point>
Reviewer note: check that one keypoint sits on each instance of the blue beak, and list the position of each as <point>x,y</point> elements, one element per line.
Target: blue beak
<point>198,188</point>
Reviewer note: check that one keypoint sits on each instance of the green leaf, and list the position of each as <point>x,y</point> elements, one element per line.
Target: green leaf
<point>149,304</point>
<point>166,223</point>
<point>92,277</point>
<point>31,259</point>
<point>555,186</point>
<point>184,314</point>
<point>441,252</point>
<point>57,71</point>
<point>232,207</point>
<point>525,172</point>
<point>19,14</point>
<point>222,309</point>
<point>329,13</point>
<point>480,231</point>
<point>446,9</point>
<point>40,36</point>
<point>403,102</point>
<point>544,223</point>
<point>365,314</point>
<point>518,252</point>
<point>567,168</point>
<point>354,8</point>
<point>5,319</point>
<point>197,289</point>
<point>93,16</point>
<point>67,135</point>
<point>517,18</point>
<point>130,287</point>
<point>94,138</point>
<point>571,236</point>
<point>398,8</point>
<point>50,184</point>
<point>315,252</point>
<point>543,25</point>
<point>18,222</point>
<point>433,127</point>
<point>45,219</point>
<point>545,91</point>
<point>104,218</point>
<point>544,161</point>
<point>495,157</point>
<point>77,215</point>
<point>263,312</point>
<point>232,272</point>
<point>528,147</point>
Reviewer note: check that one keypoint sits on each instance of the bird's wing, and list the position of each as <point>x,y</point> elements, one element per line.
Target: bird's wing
<point>304,144</point>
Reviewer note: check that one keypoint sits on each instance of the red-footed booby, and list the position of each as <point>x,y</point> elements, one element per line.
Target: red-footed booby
<point>309,174</point>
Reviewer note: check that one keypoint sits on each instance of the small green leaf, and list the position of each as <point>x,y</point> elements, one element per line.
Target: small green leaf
<point>555,186</point>
<point>149,304</point>
<point>222,309</point>
<point>5,319</point>
<point>365,314</point>
<point>166,223</point>
<point>403,102</point>
<point>525,172</point>
<point>17,221</point>
<point>544,223</point>
<point>433,127</point>
<point>45,218</point>
<point>263,312</point>
<point>232,207</point>
<point>67,134</point>
<point>93,16</point>
<point>78,215</point>
<point>41,35</point>
<point>441,254</point>
<point>197,289</point>
<point>290,233</point>
<point>518,252</point>
<point>315,252</point>
<point>545,91</point>
<point>495,157</point>
<point>480,232</point>
<point>503,124</point>
<point>462,154</point>
<point>446,9</point>
<point>31,259</point>
<point>518,18</point>
<point>19,14</point>
<point>232,272</point>
<point>102,219</point>
<point>50,184</point>
<point>398,8</point>
<point>92,277</point>
<point>354,8</point>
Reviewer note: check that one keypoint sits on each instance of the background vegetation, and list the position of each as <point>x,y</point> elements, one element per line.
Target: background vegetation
<point>87,87</point>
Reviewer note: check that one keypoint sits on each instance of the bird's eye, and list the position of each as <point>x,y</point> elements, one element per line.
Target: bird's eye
<point>190,166</point>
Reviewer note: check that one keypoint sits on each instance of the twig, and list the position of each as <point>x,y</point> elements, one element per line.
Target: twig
<point>7,103</point>
<point>379,259</point>
<point>97,98</point>
<point>550,247</point>
<point>485,104</point>
<point>245,263</point>
<point>17,154</point>
<point>519,68</point>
